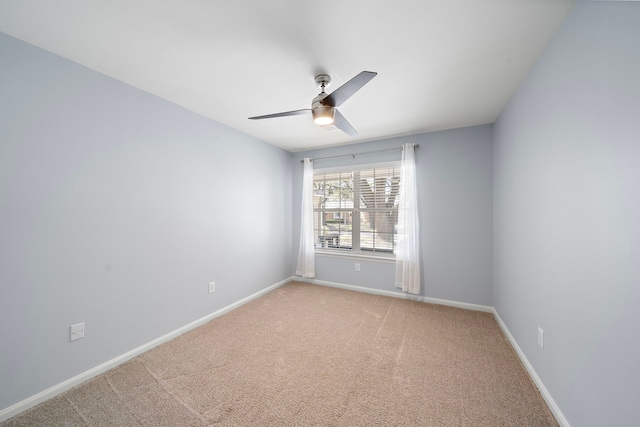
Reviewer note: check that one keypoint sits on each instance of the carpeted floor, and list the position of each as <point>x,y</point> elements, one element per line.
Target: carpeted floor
<point>307,355</point>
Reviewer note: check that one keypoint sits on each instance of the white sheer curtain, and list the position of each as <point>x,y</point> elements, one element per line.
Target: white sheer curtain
<point>408,249</point>
<point>306,258</point>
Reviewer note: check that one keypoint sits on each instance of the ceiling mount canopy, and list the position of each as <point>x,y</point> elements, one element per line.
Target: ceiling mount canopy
<point>323,81</point>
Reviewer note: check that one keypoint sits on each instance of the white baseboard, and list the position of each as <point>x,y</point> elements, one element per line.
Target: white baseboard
<point>47,394</point>
<point>398,294</point>
<point>536,379</point>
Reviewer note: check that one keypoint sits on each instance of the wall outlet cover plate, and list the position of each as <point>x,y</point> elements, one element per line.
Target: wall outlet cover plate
<point>76,331</point>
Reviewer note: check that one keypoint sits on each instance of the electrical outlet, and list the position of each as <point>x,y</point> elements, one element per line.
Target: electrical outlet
<point>76,331</point>
<point>212,287</point>
<point>540,337</point>
<point>357,266</point>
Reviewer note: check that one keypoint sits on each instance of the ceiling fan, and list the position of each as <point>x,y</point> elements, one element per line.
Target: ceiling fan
<point>323,107</point>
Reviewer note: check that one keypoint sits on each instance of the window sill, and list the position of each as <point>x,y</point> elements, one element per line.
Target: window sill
<point>391,259</point>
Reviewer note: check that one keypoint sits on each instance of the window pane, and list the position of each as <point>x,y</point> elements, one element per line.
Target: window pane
<point>333,191</point>
<point>379,187</point>
<point>377,230</point>
<point>333,229</point>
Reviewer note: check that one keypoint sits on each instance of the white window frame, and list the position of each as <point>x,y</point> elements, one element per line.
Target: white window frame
<point>355,251</point>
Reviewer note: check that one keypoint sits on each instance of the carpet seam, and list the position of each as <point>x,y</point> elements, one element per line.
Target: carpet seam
<point>75,408</point>
<point>161,384</point>
<point>122,399</point>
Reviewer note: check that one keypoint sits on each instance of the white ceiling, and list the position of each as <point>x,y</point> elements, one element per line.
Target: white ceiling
<point>441,64</point>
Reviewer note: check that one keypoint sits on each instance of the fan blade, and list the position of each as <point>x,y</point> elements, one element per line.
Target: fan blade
<point>341,123</point>
<point>344,92</point>
<point>287,113</point>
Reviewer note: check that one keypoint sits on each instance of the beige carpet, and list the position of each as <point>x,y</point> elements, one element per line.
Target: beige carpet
<point>307,355</point>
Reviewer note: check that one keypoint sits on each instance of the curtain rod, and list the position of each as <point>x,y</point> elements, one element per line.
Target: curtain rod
<point>415,147</point>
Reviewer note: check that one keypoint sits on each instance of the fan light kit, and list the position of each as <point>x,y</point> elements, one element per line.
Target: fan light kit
<point>323,107</point>
<point>323,116</point>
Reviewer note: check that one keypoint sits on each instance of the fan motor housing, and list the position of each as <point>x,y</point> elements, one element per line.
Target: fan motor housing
<point>317,101</point>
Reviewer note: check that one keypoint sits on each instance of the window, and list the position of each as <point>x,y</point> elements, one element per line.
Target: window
<point>356,210</point>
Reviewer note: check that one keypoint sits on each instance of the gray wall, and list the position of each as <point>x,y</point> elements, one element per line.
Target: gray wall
<point>567,215</point>
<point>116,209</point>
<point>454,173</point>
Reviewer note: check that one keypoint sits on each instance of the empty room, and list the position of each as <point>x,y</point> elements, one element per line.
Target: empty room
<point>296,213</point>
